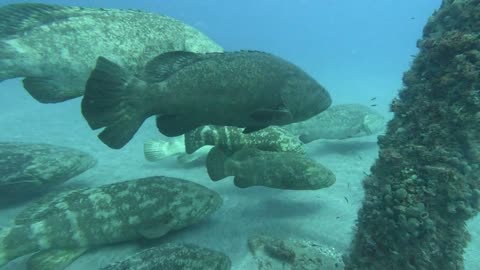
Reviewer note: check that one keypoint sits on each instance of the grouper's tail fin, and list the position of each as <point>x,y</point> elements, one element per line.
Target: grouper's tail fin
<point>114,99</point>
<point>55,258</point>
<point>155,150</point>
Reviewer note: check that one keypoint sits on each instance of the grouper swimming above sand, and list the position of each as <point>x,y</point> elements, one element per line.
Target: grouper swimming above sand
<point>55,47</point>
<point>124,211</point>
<point>246,89</point>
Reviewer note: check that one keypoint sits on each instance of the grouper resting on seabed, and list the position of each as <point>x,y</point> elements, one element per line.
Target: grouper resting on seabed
<point>124,211</point>
<point>246,89</point>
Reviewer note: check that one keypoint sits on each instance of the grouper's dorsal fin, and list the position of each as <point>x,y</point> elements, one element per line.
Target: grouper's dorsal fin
<point>18,18</point>
<point>164,65</point>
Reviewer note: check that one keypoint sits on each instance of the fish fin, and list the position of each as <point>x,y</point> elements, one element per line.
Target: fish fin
<point>18,18</point>
<point>54,258</point>
<point>216,159</point>
<point>113,99</point>
<point>174,125</point>
<point>47,90</point>
<point>154,232</point>
<point>193,142</point>
<point>270,115</point>
<point>241,182</point>
<point>155,150</point>
<point>248,130</point>
<point>8,58</point>
<point>10,250</point>
<point>166,64</point>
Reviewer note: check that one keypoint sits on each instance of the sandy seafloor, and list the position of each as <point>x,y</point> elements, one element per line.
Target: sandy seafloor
<point>325,216</point>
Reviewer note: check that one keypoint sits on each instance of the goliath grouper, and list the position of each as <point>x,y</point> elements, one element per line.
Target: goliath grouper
<point>31,168</point>
<point>339,122</point>
<point>55,47</point>
<point>246,89</point>
<point>282,170</point>
<point>125,211</point>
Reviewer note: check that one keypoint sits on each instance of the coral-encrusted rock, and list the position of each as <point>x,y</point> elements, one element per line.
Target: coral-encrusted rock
<point>425,184</point>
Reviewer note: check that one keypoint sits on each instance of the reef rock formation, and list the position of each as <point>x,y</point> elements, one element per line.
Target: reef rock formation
<point>426,182</point>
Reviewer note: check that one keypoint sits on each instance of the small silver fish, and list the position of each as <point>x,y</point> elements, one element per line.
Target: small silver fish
<point>157,149</point>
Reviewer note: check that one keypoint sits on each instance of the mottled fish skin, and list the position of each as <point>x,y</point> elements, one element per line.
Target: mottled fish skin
<point>54,259</point>
<point>28,168</point>
<point>233,139</point>
<point>55,47</point>
<point>339,122</point>
<point>246,89</point>
<point>174,256</point>
<point>148,207</point>
<point>282,170</point>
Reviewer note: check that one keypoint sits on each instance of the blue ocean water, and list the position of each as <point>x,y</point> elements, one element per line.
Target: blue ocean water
<point>358,50</point>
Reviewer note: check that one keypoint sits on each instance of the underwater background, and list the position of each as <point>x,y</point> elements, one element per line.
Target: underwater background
<point>358,50</point>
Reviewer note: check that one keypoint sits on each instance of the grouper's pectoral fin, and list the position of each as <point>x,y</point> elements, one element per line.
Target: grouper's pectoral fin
<point>47,90</point>
<point>57,259</point>
<point>154,232</point>
<point>175,125</point>
<point>241,182</point>
<point>271,115</point>
<point>248,130</point>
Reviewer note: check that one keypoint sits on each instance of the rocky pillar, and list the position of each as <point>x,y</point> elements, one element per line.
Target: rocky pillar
<point>425,184</point>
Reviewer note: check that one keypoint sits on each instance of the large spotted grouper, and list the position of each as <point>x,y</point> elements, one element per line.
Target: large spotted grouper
<point>283,170</point>
<point>174,256</point>
<point>339,122</point>
<point>89,217</point>
<point>246,89</point>
<point>55,47</point>
<point>31,168</point>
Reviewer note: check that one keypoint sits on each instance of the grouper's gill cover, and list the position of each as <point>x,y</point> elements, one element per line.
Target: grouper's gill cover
<point>124,211</point>
<point>245,89</point>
